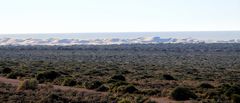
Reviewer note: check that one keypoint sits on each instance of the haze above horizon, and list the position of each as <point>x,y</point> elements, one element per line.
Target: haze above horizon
<point>73,16</point>
<point>203,35</point>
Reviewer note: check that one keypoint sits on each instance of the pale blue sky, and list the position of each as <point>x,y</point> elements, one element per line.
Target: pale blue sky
<point>71,16</point>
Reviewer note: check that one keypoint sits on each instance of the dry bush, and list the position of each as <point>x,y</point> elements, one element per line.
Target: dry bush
<point>31,84</point>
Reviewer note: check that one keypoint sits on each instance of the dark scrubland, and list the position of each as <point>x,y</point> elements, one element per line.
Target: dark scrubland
<point>205,73</point>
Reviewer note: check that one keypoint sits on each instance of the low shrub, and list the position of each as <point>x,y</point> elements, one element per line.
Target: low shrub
<point>206,85</point>
<point>28,84</point>
<point>115,85</point>
<point>58,81</point>
<point>118,78</point>
<point>168,77</point>
<point>224,87</point>
<point>6,70</point>
<point>48,76</point>
<point>69,82</point>
<point>182,93</point>
<point>92,84</point>
<point>235,89</point>
<point>127,89</point>
<point>235,98</point>
<point>15,75</point>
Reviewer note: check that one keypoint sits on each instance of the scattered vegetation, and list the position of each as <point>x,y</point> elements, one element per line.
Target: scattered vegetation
<point>124,71</point>
<point>47,94</point>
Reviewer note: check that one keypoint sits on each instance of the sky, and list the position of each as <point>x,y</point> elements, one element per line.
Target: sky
<point>74,16</point>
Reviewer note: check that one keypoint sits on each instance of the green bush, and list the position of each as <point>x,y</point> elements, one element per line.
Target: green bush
<point>118,78</point>
<point>14,75</point>
<point>69,82</point>
<point>48,76</point>
<point>6,70</point>
<point>235,98</point>
<point>28,84</point>
<point>115,85</point>
<point>92,84</point>
<point>182,93</point>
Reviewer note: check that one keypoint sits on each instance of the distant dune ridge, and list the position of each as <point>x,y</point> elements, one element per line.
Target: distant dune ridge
<point>108,38</point>
<point>140,40</point>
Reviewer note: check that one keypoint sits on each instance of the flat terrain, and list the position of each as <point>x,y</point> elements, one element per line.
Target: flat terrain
<point>136,73</point>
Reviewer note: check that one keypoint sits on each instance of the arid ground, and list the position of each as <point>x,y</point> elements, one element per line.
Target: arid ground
<point>139,73</point>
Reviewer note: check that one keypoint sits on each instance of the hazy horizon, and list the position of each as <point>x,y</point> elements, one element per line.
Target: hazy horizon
<point>201,35</point>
